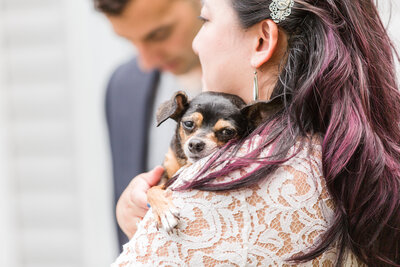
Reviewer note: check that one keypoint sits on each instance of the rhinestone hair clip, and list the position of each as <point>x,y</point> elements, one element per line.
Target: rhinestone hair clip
<point>280,9</point>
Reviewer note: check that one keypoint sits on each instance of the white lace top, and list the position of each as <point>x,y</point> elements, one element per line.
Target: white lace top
<point>261,225</point>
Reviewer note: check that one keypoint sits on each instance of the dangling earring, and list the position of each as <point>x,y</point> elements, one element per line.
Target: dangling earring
<point>255,87</point>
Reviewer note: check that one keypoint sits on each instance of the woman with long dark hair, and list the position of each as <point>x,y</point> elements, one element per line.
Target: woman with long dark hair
<point>318,182</point>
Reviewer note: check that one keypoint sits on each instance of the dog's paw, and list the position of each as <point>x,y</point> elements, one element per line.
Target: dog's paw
<point>164,211</point>
<point>169,220</point>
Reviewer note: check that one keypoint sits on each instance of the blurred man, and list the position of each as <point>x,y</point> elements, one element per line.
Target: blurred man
<point>162,31</point>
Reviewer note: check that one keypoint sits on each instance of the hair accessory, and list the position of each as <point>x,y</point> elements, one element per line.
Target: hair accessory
<point>280,9</point>
<point>255,87</point>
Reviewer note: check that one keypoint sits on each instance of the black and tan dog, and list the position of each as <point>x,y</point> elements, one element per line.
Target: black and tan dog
<point>205,124</point>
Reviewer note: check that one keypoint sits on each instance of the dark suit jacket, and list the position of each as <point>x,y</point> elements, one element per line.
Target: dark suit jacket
<point>129,102</point>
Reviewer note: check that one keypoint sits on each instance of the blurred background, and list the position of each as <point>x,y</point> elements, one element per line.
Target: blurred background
<point>56,206</point>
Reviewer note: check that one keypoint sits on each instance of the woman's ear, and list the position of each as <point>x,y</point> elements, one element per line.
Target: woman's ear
<point>265,44</point>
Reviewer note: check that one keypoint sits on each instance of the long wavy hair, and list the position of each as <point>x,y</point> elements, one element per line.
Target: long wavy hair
<point>338,79</point>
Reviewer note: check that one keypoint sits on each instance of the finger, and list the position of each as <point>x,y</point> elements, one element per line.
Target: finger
<point>153,177</point>
<point>131,228</point>
<point>142,183</point>
<point>139,196</point>
<point>141,211</point>
<point>135,210</point>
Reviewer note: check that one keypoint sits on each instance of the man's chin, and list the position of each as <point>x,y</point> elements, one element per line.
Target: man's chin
<point>174,67</point>
<point>178,68</point>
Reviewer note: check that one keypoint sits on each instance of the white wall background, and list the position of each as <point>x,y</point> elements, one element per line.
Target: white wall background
<point>55,178</point>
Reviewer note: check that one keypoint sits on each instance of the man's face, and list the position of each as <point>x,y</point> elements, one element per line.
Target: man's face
<point>162,31</point>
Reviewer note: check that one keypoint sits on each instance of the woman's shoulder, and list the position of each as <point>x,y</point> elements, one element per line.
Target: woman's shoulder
<point>303,167</point>
<point>293,207</point>
<point>299,181</point>
<point>298,184</point>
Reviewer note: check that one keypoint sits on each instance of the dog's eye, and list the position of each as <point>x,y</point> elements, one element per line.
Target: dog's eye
<point>228,132</point>
<point>188,125</point>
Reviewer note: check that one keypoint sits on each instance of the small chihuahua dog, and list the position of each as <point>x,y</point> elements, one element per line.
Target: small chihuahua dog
<point>204,124</point>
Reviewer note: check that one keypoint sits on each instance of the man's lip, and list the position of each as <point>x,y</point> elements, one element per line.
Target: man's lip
<point>170,66</point>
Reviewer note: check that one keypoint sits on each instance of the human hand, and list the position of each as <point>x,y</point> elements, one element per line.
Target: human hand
<point>132,205</point>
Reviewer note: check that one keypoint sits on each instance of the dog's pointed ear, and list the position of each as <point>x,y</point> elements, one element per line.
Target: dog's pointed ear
<point>172,108</point>
<point>256,112</point>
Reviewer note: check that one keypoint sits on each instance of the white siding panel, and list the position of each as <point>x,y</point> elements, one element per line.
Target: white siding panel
<point>8,228</point>
<point>28,27</point>
<point>55,186</point>
<point>42,180</point>
<point>47,211</point>
<point>27,20</point>
<point>39,102</point>
<point>51,246</point>
<point>41,139</point>
<point>37,64</point>
<point>45,174</point>
<point>17,5</point>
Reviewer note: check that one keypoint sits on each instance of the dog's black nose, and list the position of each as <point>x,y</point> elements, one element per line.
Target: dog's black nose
<point>196,145</point>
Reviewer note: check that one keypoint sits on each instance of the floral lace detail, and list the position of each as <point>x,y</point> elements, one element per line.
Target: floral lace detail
<point>262,225</point>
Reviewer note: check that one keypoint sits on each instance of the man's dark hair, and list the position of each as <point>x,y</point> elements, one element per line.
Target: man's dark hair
<point>111,7</point>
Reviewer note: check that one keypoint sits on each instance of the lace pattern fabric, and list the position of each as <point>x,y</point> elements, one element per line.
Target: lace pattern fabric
<point>262,225</point>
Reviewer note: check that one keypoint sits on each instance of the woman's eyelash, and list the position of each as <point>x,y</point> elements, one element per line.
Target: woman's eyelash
<point>202,19</point>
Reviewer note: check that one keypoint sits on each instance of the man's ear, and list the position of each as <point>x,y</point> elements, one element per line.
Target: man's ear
<point>266,40</point>
<point>172,108</point>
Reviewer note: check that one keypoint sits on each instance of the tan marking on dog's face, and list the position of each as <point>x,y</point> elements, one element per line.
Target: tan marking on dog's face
<point>213,138</point>
<point>171,163</point>
<point>185,135</point>
<point>197,119</point>
<point>221,124</point>
<point>220,127</point>
<point>182,134</point>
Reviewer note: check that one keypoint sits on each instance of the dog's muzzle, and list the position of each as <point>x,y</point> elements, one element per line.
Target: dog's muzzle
<point>196,148</point>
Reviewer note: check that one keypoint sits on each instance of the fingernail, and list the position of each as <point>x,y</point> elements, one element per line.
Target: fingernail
<point>148,205</point>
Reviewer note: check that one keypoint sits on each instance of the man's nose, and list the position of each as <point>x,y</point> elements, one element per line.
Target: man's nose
<point>148,58</point>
